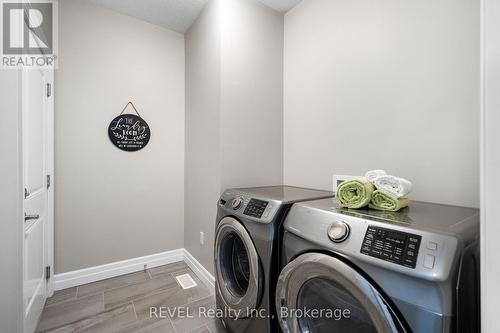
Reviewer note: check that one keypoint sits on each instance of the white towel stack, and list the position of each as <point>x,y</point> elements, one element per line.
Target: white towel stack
<point>373,174</point>
<point>394,186</point>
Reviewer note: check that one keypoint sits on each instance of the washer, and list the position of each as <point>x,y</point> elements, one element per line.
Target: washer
<point>412,271</point>
<point>247,255</point>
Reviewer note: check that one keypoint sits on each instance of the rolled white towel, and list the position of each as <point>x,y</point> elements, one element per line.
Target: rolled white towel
<point>394,186</point>
<point>373,174</point>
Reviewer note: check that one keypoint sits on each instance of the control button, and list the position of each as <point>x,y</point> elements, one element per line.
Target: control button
<point>338,231</point>
<point>266,214</point>
<point>429,261</point>
<point>432,246</point>
<point>236,203</point>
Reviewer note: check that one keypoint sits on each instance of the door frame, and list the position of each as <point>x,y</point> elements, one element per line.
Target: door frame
<point>490,163</point>
<point>49,169</point>
<point>50,127</point>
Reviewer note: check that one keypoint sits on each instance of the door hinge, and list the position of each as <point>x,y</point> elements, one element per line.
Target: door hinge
<point>47,272</point>
<point>26,193</point>
<point>49,89</point>
<point>48,181</point>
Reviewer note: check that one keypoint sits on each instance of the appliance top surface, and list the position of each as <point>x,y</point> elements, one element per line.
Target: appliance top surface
<point>419,215</point>
<point>285,194</point>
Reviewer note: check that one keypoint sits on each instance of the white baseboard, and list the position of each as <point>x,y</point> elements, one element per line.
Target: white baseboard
<point>102,272</point>
<point>204,275</point>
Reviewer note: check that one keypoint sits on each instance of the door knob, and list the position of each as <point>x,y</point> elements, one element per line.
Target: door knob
<point>28,217</point>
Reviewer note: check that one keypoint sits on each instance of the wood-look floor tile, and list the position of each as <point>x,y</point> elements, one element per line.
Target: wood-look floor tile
<point>104,322</point>
<point>117,296</point>
<point>150,326</point>
<point>154,306</point>
<point>112,321</point>
<point>70,311</point>
<point>215,325</point>
<point>167,301</point>
<point>168,269</point>
<point>116,282</point>
<point>61,295</point>
<point>198,315</point>
<point>201,329</point>
<point>122,304</point>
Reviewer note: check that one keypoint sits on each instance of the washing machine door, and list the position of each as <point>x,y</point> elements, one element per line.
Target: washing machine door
<point>320,293</point>
<point>237,268</point>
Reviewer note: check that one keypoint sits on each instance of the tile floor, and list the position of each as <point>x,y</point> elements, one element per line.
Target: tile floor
<point>123,304</point>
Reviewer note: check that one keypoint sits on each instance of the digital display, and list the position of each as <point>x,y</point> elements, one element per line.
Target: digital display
<point>255,208</point>
<point>394,246</point>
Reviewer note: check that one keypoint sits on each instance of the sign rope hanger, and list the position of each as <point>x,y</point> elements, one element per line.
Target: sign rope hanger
<point>129,132</point>
<point>133,106</point>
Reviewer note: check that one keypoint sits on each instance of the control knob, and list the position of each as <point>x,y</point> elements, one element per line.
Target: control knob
<point>236,203</point>
<point>338,231</point>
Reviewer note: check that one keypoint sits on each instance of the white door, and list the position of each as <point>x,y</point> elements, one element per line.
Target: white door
<point>37,154</point>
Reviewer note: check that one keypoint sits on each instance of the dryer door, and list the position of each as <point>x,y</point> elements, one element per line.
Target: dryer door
<point>237,268</point>
<point>319,293</point>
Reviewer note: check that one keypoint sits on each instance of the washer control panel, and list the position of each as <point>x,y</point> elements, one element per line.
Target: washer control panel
<point>404,248</point>
<point>394,246</point>
<point>255,208</point>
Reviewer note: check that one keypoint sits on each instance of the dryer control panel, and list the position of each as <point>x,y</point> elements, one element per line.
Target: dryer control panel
<point>394,246</point>
<point>244,206</point>
<point>255,208</point>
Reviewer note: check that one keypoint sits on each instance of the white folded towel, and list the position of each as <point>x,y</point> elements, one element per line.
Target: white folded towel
<point>373,174</point>
<point>394,186</point>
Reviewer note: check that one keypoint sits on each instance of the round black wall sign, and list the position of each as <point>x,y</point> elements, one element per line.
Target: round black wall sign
<point>129,132</point>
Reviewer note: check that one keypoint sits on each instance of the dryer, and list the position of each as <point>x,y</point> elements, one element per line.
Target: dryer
<point>247,254</point>
<point>416,270</point>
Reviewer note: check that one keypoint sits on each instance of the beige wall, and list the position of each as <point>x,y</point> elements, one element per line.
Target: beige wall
<point>202,176</point>
<point>234,110</point>
<point>393,85</point>
<point>11,227</point>
<point>113,205</point>
<point>251,95</point>
<point>409,85</point>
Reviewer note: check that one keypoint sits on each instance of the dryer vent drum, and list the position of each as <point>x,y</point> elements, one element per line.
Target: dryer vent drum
<point>234,264</point>
<point>323,294</point>
<point>237,267</point>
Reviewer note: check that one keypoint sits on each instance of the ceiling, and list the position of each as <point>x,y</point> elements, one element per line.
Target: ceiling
<point>177,15</point>
<point>280,5</point>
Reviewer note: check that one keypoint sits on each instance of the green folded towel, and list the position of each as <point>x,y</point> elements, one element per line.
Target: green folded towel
<point>382,201</point>
<point>354,193</point>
